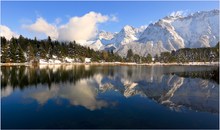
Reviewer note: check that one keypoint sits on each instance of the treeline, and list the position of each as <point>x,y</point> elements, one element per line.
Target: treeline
<point>131,57</point>
<point>185,55</point>
<point>20,50</point>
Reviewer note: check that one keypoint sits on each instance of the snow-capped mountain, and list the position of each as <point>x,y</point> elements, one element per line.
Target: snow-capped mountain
<point>100,41</point>
<point>200,29</point>
<point>109,41</point>
<point>196,30</point>
<point>127,35</point>
<point>102,35</point>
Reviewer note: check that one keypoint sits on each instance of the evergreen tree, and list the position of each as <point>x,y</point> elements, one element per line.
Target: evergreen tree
<point>49,40</point>
<point>30,53</point>
<point>136,58</point>
<point>43,53</point>
<point>5,54</point>
<point>156,58</point>
<point>165,57</point>
<point>19,55</point>
<point>130,55</point>
<point>71,50</point>
<point>105,55</point>
<point>149,58</point>
<point>11,53</point>
<point>51,47</point>
<point>3,41</point>
<point>22,42</point>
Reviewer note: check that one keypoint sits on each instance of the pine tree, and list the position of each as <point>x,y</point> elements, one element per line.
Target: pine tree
<point>156,58</point>
<point>149,58</point>
<point>51,47</point>
<point>30,53</point>
<point>19,55</point>
<point>3,41</point>
<point>5,54</point>
<point>130,55</point>
<point>22,42</point>
<point>136,58</point>
<point>71,50</point>
<point>43,53</point>
<point>105,55</point>
<point>11,53</point>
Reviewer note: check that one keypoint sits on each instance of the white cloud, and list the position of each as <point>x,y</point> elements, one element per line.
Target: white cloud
<point>6,32</point>
<point>77,28</point>
<point>81,28</point>
<point>42,26</point>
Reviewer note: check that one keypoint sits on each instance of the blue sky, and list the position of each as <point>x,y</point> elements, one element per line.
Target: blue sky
<point>16,14</point>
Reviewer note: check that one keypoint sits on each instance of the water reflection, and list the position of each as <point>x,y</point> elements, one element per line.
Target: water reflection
<point>176,87</point>
<point>81,94</point>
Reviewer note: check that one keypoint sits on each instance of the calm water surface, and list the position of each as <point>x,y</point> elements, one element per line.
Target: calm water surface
<point>84,96</point>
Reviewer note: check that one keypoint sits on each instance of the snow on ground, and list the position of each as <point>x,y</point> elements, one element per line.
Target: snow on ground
<point>57,61</point>
<point>43,61</point>
<point>69,60</point>
<point>54,56</point>
<point>50,61</point>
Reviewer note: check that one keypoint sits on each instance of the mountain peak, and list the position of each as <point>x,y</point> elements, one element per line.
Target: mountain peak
<point>200,29</point>
<point>127,27</point>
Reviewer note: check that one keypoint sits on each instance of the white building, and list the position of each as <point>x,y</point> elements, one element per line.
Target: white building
<point>87,60</point>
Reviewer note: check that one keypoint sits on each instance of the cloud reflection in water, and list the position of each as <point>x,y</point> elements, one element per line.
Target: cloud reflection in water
<point>81,94</point>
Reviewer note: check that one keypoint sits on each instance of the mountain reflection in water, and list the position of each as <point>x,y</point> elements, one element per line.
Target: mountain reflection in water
<point>80,85</point>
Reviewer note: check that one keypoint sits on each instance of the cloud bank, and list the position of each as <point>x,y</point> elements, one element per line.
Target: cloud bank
<point>81,28</point>
<point>77,28</point>
<point>6,32</point>
<point>42,26</point>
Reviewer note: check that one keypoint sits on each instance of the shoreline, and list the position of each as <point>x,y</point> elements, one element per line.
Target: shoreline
<point>118,63</point>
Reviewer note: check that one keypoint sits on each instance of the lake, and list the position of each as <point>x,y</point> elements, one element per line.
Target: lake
<point>96,96</point>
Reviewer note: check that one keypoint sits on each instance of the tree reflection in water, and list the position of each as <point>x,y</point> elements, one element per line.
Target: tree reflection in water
<point>175,87</point>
